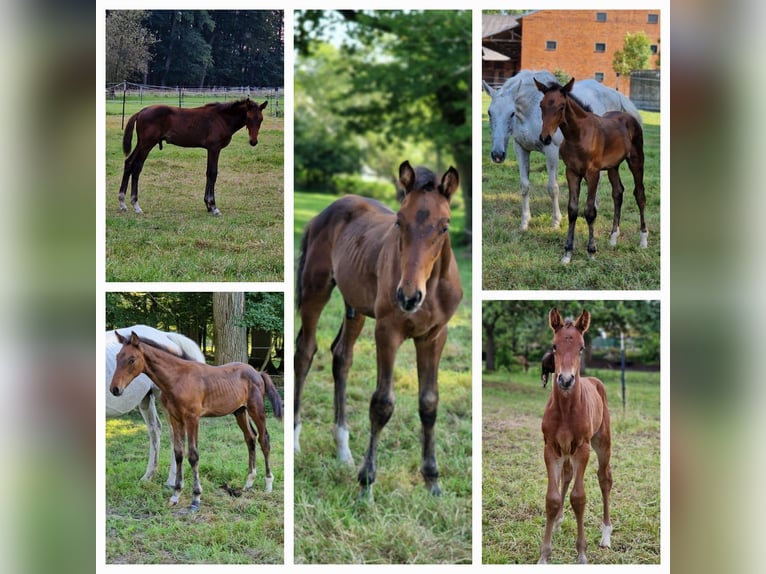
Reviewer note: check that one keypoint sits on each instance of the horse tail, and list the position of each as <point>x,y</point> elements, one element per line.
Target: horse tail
<point>127,137</point>
<point>629,107</point>
<point>273,394</point>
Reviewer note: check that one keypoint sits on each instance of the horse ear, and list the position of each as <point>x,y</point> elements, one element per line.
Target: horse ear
<point>449,183</point>
<point>583,321</point>
<point>568,88</point>
<point>554,319</point>
<point>264,104</point>
<point>540,86</point>
<point>134,340</point>
<point>487,88</point>
<point>406,176</point>
<point>120,338</point>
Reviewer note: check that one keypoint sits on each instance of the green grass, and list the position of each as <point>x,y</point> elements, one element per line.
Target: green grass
<point>403,524</point>
<point>175,239</point>
<point>142,529</point>
<point>515,260</point>
<point>514,477</point>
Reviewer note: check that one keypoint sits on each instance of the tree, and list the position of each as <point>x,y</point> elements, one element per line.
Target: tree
<point>264,316</point>
<point>229,333</point>
<point>127,45</point>
<point>635,55</point>
<point>410,75</point>
<point>183,54</point>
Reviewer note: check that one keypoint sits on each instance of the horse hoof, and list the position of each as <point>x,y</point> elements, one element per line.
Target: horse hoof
<point>644,242</point>
<point>581,559</point>
<point>172,503</point>
<point>194,508</point>
<point>215,212</point>
<point>567,258</point>
<point>434,490</point>
<point>365,494</point>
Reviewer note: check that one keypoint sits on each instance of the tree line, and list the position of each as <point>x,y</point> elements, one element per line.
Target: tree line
<point>512,329</point>
<point>233,326</point>
<point>195,48</point>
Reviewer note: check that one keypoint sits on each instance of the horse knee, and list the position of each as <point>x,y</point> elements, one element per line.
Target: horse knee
<point>381,407</point>
<point>193,457</point>
<point>552,505</point>
<point>428,406</point>
<point>577,500</point>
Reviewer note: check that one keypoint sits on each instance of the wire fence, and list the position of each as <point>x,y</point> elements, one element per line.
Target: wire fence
<point>128,94</point>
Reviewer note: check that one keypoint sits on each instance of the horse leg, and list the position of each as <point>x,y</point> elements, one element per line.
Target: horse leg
<point>566,479</point>
<point>428,353</point>
<point>601,443</point>
<point>249,435</point>
<point>552,165</point>
<point>636,165</point>
<point>179,432</point>
<point>591,179</point>
<point>617,191</point>
<point>211,174</point>
<point>257,413</point>
<point>313,301</point>
<point>522,156</point>
<point>553,501</point>
<point>573,181</point>
<point>192,424</point>
<point>342,358</point>
<point>148,410</point>
<point>142,151</point>
<point>577,499</point>
<point>381,404</point>
<point>126,174</point>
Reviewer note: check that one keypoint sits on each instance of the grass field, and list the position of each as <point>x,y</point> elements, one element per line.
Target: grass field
<point>403,524</point>
<point>228,529</point>
<point>176,239</point>
<point>515,260</point>
<point>514,478</point>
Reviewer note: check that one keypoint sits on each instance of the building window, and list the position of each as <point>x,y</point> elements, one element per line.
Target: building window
<point>600,47</point>
<point>599,77</point>
<point>653,19</point>
<point>550,45</point>
<point>654,49</point>
<point>600,16</point>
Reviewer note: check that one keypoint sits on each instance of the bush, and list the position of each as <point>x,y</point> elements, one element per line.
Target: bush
<point>345,184</point>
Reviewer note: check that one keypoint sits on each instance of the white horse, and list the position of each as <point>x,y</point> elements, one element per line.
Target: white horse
<point>141,392</point>
<point>515,111</point>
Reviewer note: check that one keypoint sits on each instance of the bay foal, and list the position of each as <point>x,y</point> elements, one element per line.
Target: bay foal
<point>576,418</point>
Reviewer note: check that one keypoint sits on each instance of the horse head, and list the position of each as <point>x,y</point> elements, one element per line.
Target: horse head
<point>553,107</point>
<point>423,224</point>
<point>501,113</point>
<point>130,363</point>
<point>254,119</point>
<point>568,345</point>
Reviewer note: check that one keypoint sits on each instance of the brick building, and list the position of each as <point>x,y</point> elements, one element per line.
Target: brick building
<point>580,43</point>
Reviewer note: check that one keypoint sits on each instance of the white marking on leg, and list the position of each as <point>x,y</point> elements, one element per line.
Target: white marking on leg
<point>606,536</point>
<point>644,239</point>
<point>341,441</point>
<point>136,208</point>
<point>297,438</point>
<point>216,212</point>
<point>250,480</point>
<point>613,237</point>
<point>174,499</point>
<point>567,257</point>
<point>269,482</point>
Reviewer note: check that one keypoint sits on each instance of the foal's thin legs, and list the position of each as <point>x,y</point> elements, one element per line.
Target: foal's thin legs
<point>342,358</point>
<point>617,192</point>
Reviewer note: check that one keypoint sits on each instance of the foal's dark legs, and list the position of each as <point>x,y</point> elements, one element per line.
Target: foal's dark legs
<point>636,165</point>
<point>591,179</point>
<point>212,175</point>
<point>342,358</point>
<point>250,436</point>
<point>381,404</point>
<point>134,163</point>
<point>617,192</point>
<point>428,357</point>
<point>573,181</point>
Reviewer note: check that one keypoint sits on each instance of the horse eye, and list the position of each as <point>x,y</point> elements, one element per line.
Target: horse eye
<point>445,229</point>
<point>131,360</point>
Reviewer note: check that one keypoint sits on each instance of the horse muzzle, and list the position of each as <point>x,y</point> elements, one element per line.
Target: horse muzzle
<point>409,304</point>
<point>545,140</point>
<point>253,143</point>
<point>116,391</point>
<point>565,382</point>
<point>497,157</point>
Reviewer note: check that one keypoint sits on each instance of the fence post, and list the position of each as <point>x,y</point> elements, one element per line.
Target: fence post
<point>622,365</point>
<point>124,89</point>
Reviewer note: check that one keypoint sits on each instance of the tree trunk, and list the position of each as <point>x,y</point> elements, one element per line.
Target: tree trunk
<point>229,335</point>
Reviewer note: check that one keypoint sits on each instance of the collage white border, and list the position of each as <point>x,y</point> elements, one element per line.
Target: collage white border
<point>478,295</point>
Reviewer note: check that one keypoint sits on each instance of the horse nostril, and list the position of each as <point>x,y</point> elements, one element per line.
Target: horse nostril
<point>418,297</point>
<point>545,140</point>
<point>115,391</point>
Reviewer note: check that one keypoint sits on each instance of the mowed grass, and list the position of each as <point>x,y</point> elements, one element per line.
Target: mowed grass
<point>176,239</point>
<point>514,478</point>
<point>246,528</point>
<point>514,260</point>
<point>403,524</point>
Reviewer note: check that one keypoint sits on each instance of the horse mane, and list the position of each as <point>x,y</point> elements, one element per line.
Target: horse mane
<point>181,355</point>
<point>425,179</point>
<point>228,106</point>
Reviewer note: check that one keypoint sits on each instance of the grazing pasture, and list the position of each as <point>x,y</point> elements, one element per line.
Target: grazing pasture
<point>404,524</point>
<point>514,477</point>
<point>514,260</point>
<point>176,239</point>
<point>231,527</point>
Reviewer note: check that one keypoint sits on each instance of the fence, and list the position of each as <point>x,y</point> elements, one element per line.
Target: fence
<point>182,96</point>
<point>645,89</point>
